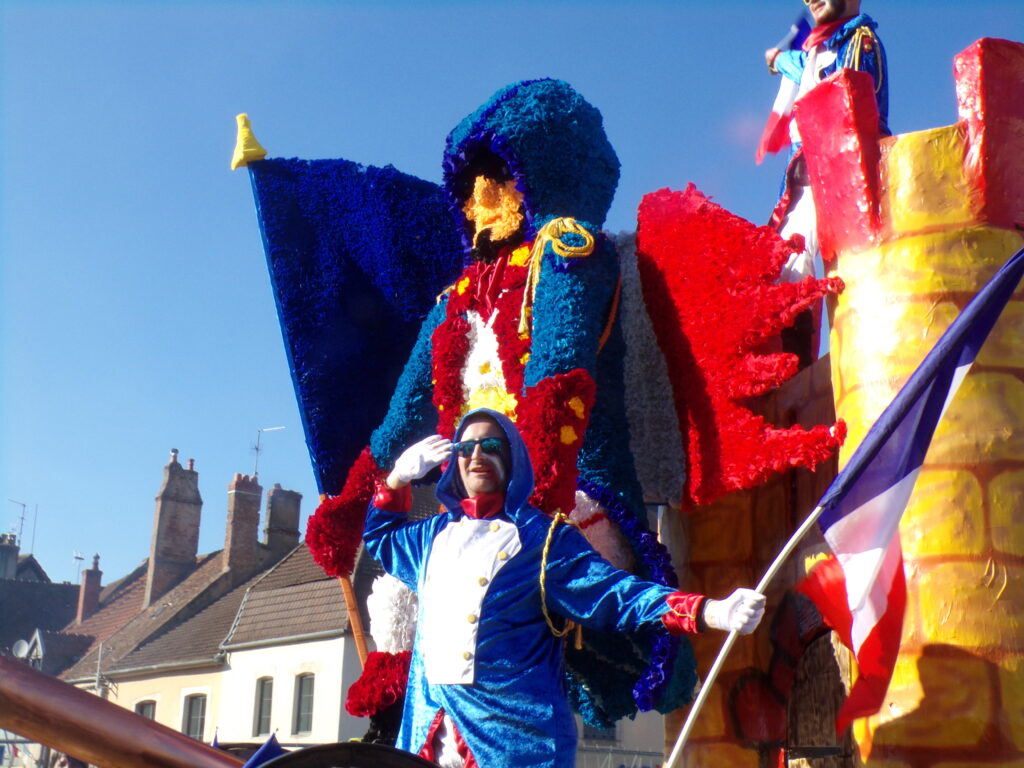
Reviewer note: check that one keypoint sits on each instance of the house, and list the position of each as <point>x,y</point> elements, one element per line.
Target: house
<point>28,599</point>
<point>167,638</point>
<point>273,655</point>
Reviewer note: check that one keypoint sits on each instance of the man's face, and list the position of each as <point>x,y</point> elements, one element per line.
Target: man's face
<point>827,11</point>
<point>495,207</point>
<point>483,472</point>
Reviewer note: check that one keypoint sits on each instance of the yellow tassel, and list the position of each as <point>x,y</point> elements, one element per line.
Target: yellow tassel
<point>247,148</point>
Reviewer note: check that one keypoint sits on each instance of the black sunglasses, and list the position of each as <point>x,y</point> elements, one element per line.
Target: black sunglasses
<point>491,445</point>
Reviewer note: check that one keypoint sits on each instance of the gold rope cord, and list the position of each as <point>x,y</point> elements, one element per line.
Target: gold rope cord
<point>552,232</point>
<point>558,518</point>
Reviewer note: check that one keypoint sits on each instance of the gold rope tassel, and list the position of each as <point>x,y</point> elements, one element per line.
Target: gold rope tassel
<point>552,232</point>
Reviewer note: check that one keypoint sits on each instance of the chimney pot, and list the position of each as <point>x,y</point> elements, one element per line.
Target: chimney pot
<point>191,465</point>
<point>89,591</point>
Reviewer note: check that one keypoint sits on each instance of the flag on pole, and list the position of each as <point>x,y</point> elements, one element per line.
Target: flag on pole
<point>776,130</point>
<point>861,591</point>
<point>267,752</point>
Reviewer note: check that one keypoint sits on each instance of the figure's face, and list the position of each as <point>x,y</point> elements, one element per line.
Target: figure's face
<point>496,207</point>
<point>827,11</point>
<point>483,472</point>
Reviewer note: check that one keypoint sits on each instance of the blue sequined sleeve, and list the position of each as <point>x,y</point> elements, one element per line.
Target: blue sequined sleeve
<point>583,586</point>
<point>400,546</point>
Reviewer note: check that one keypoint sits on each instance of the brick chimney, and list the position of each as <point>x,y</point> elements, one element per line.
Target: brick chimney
<point>89,591</point>
<point>282,531</point>
<point>172,554</point>
<point>241,551</point>
<point>9,550</point>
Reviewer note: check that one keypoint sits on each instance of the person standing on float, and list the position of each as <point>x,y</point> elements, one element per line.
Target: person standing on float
<point>486,682</point>
<point>842,38</point>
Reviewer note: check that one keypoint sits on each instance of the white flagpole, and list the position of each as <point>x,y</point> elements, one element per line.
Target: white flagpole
<point>730,640</point>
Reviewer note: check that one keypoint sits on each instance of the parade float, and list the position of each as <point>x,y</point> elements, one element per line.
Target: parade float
<point>911,227</point>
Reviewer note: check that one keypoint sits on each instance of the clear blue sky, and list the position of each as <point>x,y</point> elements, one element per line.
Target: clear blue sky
<point>136,309</point>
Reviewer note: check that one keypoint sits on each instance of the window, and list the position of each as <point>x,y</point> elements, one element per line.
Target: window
<point>193,719</point>
<point>302,721</point>
<point>146,709</point>
<point>261,711</point>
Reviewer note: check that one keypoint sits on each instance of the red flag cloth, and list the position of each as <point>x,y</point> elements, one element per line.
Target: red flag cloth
<point>876,653</point>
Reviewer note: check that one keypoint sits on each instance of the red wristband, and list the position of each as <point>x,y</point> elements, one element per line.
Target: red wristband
<point>683,613</point>
<point>388,499</point>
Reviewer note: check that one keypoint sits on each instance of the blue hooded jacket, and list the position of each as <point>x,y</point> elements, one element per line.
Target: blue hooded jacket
<point>515,710</point>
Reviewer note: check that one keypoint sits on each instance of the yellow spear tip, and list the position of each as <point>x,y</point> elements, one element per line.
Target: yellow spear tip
<point>247,148</point>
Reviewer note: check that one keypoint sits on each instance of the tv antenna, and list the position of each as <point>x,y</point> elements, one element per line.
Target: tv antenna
<point>76,558</point>
<point>21,520</point>
<point>258,449</point>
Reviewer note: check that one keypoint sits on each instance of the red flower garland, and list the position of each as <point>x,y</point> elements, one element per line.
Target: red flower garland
<point>449,347</point>
<point>382,683</point>
<point>553,418</point>
<point>709,285</point>
<point>334,531</point>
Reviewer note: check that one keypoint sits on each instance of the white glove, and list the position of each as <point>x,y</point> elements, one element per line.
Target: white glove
<point>420,458</point>
<point>740,612</point>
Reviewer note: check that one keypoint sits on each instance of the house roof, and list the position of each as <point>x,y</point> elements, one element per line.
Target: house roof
<point>118,603</point>
<point>194,640</point>
<point>292,601</point>
<point>121,624</point>
<point>29,569</point>
<point>29,605</point>
<point>288,602</point>
<point>58,649</point>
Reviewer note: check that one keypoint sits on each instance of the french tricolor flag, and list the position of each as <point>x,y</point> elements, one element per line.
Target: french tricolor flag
<point>776,130</point>
<point>861,591</point>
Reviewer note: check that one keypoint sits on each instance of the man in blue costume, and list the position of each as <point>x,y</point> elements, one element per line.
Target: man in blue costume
<point>486,684</point>
<point>843,38</point>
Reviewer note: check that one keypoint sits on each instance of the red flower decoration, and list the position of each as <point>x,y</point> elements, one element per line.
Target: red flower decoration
<point>382,683</point>
<point>553,418</point>
<point>449,347</point>
<point>334,531</point>
<point>709,285</point>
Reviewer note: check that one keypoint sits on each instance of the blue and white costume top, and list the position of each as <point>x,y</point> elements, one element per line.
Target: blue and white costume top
<point>483,652</point>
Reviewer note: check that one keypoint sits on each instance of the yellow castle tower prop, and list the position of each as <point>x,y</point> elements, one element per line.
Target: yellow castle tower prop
<point>917,223</point>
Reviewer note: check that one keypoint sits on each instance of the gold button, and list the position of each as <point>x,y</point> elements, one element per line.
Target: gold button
<point>495,526</point>
<point>471,618</point>
<point>503,555</point>
<point>467,655</point>
<point>482,581</point>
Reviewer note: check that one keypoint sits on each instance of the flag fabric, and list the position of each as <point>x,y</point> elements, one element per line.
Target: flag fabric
<point>861,591</point>
<point>776,130</point>
<point>270,749</point>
